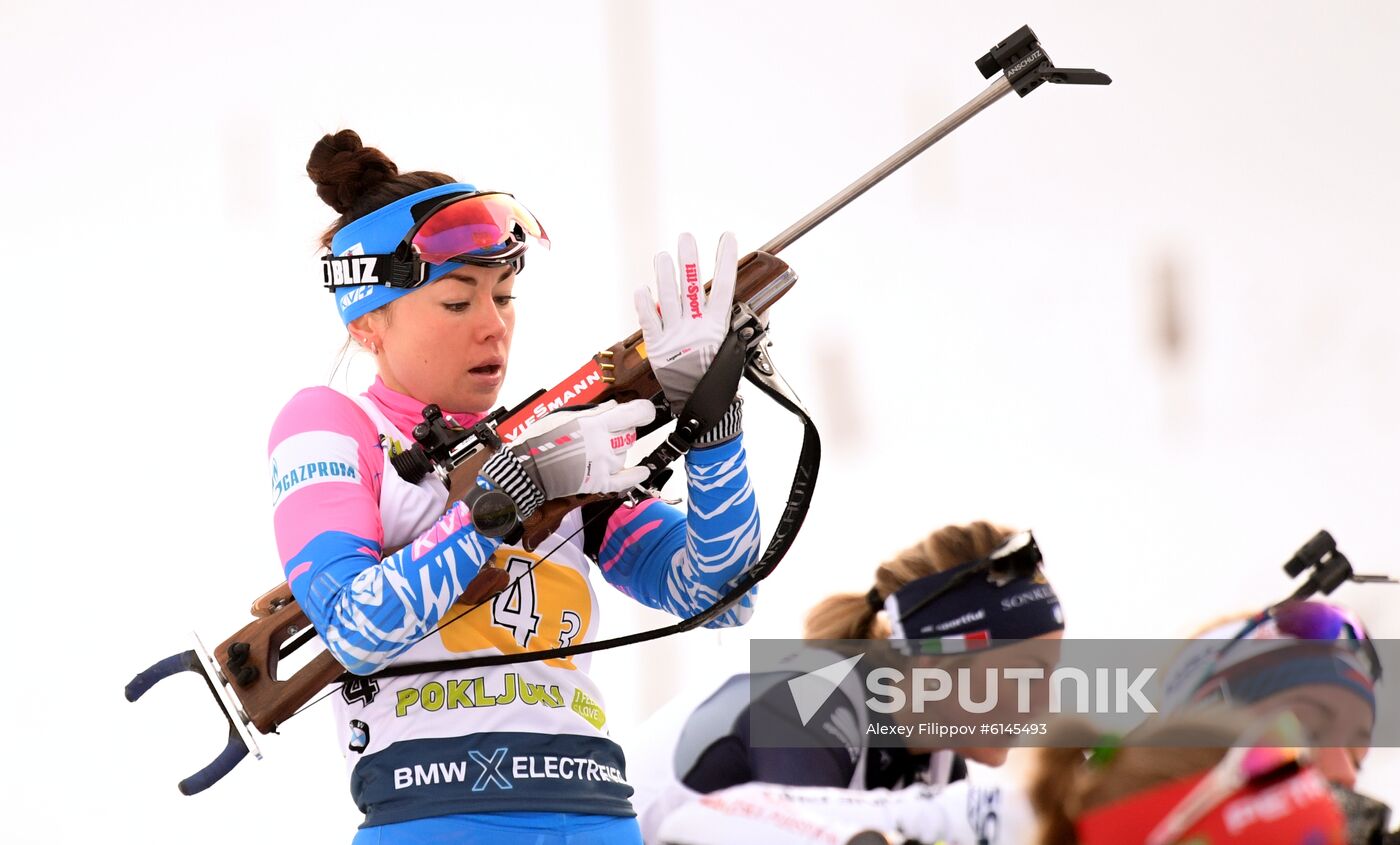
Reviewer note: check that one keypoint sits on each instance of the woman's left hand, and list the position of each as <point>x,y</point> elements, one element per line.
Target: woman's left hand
<point>683,338</point>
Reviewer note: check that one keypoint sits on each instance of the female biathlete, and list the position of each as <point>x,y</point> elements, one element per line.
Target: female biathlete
<point>705,773</point>
<point>1213,777</point>
<point>1311,659</point>
<point>423,269</point>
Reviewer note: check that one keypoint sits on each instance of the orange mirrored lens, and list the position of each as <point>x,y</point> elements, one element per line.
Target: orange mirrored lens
<point>480,226</point>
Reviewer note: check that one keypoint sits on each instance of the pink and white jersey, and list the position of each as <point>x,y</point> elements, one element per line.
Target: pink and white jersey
<point>523,737</point>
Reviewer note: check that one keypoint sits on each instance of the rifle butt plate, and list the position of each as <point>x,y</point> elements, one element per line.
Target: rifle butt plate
<point>228,700</point>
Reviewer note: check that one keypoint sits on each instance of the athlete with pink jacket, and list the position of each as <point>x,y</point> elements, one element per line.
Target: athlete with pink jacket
<point>424,272</point>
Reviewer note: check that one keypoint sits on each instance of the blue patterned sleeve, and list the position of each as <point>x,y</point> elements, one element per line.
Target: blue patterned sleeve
<point>370,611</point>
<point>682,562</point>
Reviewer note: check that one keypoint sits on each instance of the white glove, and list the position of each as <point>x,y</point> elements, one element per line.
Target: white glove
<point>683,339</point>
<point>570,452</point>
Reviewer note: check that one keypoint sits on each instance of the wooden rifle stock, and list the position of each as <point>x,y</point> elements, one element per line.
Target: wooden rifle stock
<point>625,375</point>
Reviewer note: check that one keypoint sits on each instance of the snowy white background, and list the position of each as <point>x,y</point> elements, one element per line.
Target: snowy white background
<point>980,336</point>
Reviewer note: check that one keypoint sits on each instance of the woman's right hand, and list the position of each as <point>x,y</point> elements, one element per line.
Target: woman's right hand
<point>683,327</point>
<point>574,451</point>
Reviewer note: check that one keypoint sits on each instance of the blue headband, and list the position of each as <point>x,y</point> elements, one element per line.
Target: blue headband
<point>1297,663</point>
<point>381,231</point>
<point>978,609</point>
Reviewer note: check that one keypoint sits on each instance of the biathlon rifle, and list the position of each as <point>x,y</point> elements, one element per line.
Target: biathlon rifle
<point>241,671</point>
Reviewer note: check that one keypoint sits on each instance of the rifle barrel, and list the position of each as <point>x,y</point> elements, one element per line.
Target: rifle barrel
<point>998,89</point>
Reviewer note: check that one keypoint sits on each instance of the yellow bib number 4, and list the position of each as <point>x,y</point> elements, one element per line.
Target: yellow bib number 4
<point>547,605</point>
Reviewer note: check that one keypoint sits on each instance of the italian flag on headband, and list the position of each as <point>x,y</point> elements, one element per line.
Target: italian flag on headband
<point>957,643</point>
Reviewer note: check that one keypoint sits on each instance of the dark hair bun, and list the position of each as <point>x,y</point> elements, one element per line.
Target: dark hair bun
<point>343,169</point>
